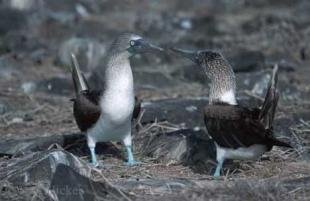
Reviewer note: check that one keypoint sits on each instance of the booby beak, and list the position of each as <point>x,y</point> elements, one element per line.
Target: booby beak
<point>192,55</point>
<point>142,46</point>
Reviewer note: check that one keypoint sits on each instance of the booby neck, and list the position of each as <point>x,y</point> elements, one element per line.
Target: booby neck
<point>118,69</point>
<point>218,70</point>
<point>223,81</point>
<point>223,90</point>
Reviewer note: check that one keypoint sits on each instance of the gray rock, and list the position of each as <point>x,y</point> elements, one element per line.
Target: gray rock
<point>187,113</point>
<point>61,175</point>
<point>69,185</point>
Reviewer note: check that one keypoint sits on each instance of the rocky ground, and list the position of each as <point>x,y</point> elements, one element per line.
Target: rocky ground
<point>44,157</point>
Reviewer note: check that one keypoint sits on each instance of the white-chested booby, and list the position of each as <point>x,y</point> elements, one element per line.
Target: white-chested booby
<point>239,133</point>
<point>105,114</point>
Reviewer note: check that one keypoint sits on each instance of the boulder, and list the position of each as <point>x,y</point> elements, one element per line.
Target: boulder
<point>57,175</point>
<point>187,113</point>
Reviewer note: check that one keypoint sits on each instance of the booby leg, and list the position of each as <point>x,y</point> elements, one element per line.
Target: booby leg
<point>93,157</point>
<point>220,157</point>
<point>127,142</point>
<point>92,145</point>
<point>217,172</point>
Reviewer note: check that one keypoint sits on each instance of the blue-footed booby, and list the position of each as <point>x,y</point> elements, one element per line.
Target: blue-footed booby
<point>105,114</point>
<point>239,133</point>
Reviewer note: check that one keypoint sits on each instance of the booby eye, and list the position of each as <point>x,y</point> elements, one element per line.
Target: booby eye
<point>132,43</point>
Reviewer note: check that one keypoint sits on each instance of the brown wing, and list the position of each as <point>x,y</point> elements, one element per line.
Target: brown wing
<point>234,126</point>
<point>86,109</point>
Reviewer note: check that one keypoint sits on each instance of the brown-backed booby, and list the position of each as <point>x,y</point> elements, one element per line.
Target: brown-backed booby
<point>239,133</point>
<point>105,115</point>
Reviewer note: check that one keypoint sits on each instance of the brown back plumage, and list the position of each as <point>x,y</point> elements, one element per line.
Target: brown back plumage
<point>233,126</point>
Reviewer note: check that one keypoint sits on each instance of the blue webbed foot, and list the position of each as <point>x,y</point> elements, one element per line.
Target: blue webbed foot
<point>131,161</point>
<point>217,172</point>
<point>94,161</point>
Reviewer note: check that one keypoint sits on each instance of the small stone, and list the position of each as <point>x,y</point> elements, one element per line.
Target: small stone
<point>28,117</point>
<point>17,120</point>
<point>82,11</point>
<point>186,24</point>
<point>28,87</point>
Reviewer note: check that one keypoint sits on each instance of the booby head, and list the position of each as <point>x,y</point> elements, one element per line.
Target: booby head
<point>218,70</point>
<point>133,44</point>
<point>212,61</point>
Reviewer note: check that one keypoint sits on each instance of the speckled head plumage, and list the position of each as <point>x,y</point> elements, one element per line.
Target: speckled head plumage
<point>218,70</point>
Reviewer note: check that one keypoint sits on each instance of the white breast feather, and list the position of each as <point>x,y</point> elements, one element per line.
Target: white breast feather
<point>252,152</point>
<point>229,97</point>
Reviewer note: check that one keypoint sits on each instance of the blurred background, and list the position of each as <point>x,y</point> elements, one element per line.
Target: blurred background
<point>37,36</point>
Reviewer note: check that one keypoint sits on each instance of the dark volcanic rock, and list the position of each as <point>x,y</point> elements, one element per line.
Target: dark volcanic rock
<point>191,73</point>
<point>11,20</point>
<point>185,112</point>
<point>60,85</point>
<point>74,143</point>
<point>190,147</point>
<point>56,85</point>
<point>245,60</point>
<point>71,186</point>
<point>153,80</point>
<point>60,174</point>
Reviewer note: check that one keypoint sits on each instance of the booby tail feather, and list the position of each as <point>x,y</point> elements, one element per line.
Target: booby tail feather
<point>79,81</point>
<point>269,106</point>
